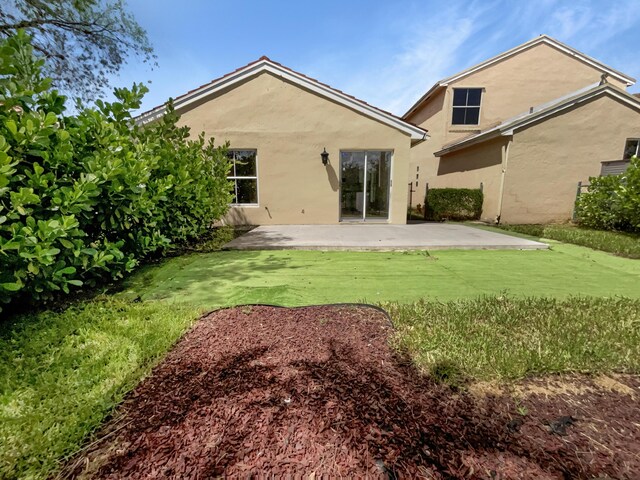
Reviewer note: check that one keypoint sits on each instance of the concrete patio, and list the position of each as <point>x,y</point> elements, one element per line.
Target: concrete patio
<point>367,237</point>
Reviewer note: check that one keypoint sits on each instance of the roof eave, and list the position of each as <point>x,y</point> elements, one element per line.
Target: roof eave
<point>266,65</point>
<point>469,143</point>
<point>415,142</point>
<point>629,81</point>
<point>423,99</point>
<point>510,128</point>
<point>549,41</point>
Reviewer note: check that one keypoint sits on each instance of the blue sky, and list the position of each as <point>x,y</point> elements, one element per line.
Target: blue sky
<point>385,52</point>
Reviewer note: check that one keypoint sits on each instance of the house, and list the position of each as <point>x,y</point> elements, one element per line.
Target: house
<point>526,126</point>
<point>302,152</point>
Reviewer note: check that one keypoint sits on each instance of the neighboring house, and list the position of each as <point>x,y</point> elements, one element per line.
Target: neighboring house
<point>279,124</point>
<point>527,125</point>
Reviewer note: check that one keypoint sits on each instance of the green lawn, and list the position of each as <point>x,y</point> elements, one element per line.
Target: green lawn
<point>509,338</point>
<point>311,277</point>
<point>619,243</point>
<point>62,373</point>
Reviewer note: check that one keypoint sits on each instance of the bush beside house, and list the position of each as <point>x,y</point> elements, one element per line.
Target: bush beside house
<point>612,202</point>
<point>453,204</point>
<point>85,197</point>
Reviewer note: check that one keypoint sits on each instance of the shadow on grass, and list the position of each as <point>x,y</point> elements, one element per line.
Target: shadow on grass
<point>209,279</point>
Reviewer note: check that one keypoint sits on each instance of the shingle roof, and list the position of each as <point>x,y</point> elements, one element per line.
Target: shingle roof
<point>538,40</point>
<point>265,64</point>
<point>507,127</point>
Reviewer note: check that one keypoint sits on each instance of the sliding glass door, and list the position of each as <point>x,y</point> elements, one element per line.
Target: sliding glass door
<point>365,184</point>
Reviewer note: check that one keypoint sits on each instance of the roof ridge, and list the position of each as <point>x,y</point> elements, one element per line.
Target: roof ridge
<point>542,38</point>
<point>267,61</point>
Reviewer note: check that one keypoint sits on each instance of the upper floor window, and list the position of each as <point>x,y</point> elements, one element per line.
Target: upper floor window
<point>244,175</point>
<point>466,106</point>
<point>631,148</point>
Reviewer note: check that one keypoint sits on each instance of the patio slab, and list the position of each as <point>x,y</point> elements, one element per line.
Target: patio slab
<point>367,237</point>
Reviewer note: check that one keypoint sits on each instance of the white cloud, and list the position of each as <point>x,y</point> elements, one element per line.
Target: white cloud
<point>592,24</point>
<point>403,50</point>
<point>455,35</point>
<point>431,48</point>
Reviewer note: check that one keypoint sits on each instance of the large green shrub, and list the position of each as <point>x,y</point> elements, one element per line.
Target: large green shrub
<point>84,197</point>
<point>453,204</point>
<point>612,202</point>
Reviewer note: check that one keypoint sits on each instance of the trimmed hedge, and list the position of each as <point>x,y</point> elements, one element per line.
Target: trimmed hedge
<point>453,204</point>
<point>612,202</point>
<point>85,197</point>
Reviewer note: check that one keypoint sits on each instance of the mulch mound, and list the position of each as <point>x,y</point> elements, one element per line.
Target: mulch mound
<point>317,392</point>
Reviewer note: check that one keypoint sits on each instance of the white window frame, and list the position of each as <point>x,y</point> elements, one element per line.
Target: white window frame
<point>637,154</point>
<point>234,178</point>
<point>453,107</point>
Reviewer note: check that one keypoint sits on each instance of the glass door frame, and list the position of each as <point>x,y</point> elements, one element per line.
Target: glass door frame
<point>363,219</point>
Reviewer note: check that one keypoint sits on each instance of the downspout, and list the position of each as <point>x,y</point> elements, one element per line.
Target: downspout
<point>505,161</point>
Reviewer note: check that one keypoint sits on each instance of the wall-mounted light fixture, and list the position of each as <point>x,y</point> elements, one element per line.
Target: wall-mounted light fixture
<point>325,157</point>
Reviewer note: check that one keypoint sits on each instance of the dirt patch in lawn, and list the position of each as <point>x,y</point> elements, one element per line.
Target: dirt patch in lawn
<point>317,392</point>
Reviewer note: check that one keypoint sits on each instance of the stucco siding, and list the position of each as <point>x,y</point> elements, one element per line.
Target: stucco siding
<point>289,127</point>
<point>423,163</point>
<point>511,86</point>
<point>469,168</point>
<point>535,76</point>
<point>547,159</point>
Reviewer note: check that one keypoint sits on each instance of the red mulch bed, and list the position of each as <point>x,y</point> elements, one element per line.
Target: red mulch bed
<point>317,392</point>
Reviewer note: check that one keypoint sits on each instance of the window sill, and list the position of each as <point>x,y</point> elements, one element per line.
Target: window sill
<point>474,128</point>
<point>244,205</point>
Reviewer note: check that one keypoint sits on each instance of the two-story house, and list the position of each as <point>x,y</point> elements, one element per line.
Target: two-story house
<point>527,125</point>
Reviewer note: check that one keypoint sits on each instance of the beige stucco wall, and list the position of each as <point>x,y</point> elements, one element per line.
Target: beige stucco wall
<point>547,160</point>
<point>289,127</point>
<point>475,165</point>
<point>532,77</point>
<point>423,163</point>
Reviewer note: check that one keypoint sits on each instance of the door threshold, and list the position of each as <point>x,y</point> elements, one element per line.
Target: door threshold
<point>363,222</point>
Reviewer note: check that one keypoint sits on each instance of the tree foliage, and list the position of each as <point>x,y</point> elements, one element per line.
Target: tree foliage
<point>84,41</point>
<point>612,202</point>
<point>84,198</point>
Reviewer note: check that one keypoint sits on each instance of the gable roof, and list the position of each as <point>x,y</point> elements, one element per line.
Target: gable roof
<point>264,64</point>
<point>541,112</point>
<point>542,39</point>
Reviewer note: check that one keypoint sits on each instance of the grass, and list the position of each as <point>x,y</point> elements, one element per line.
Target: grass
<point>510,338</point>
<point>62,373</point>
<point>618,243</point>
<point>310,277</point>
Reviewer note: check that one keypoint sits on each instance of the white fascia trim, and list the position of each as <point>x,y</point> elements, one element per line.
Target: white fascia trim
<point>416,133</point>
<point>423,98</point>
<point>508,129</point>
<point>541,39</point>
<point>469,141</point>
<point>551,42</point>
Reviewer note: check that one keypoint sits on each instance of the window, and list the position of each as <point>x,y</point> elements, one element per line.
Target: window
<point>244,176</point>
<point>631,148</point>
<point>466,106</point>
